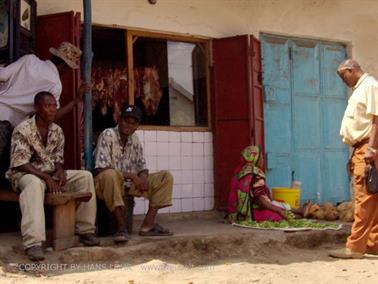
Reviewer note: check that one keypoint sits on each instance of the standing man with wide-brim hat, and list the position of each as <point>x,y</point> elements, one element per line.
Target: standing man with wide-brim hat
<point>29,75</point>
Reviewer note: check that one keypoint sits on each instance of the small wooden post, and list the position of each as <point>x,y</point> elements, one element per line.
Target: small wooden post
<point>64,225</point>
<point>87,56</point>
<point>129,212</point>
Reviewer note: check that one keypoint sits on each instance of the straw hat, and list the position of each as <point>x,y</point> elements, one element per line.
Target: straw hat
<point>67,52</point>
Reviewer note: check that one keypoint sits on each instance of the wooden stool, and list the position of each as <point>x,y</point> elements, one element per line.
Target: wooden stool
<point>64,208</point>
<point>65,205</point>
<point>129,212</point>
<point>105,223</point>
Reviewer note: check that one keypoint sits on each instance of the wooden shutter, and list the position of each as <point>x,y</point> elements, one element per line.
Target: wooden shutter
<point>51,31</point>
<point>257,94</point>
<point>237,111</point>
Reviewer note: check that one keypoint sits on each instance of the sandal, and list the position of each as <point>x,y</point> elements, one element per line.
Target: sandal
<point>121,237</point>
<point>156,230</point>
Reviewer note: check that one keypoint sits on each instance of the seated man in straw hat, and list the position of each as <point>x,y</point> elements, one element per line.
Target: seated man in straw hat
<point>29,75</point>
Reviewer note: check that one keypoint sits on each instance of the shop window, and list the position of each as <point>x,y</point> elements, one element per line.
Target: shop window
<point>109,77</point>
<point>169,79</point>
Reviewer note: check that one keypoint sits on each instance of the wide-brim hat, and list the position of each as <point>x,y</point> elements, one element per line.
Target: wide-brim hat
<point>68,53</point>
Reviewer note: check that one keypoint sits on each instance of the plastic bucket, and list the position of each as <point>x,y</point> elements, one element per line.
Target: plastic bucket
<point>291,196</point>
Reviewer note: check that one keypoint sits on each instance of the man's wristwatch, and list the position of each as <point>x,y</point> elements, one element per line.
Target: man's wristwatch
<point>371,149</point>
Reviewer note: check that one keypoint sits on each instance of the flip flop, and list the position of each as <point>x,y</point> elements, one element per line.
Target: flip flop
<point>156,230</point>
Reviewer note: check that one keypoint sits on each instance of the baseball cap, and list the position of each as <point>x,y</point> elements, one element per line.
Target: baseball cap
<point>132,111</point>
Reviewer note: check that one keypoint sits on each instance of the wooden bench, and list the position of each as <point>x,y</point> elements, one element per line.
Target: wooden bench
<point>64,208</point>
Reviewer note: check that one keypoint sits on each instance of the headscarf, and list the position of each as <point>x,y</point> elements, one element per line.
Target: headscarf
<point>249,158</point>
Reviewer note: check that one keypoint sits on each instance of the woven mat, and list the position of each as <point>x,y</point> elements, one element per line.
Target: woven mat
<point>289,229</point>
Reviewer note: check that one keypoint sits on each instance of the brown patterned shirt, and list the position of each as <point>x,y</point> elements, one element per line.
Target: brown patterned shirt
<point>110,153</point>
<point>27,147</point>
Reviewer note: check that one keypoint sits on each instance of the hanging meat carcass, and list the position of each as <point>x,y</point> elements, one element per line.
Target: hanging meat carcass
<point>109,89</point>
<point>148,89</point>
<point>110,92</point>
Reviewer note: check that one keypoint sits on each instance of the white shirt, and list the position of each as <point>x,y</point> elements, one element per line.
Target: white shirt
<point>21,81</point>
<point>362,106</point>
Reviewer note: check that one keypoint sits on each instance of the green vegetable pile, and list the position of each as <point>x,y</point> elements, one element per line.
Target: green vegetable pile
<point>291,222</point>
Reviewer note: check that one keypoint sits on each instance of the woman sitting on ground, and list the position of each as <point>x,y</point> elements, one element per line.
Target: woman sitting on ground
<point>250,198</point>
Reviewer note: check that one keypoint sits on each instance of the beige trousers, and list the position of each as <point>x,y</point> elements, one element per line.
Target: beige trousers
<point>110,188</point>
<point>33,215</point>
<point>364,233</point>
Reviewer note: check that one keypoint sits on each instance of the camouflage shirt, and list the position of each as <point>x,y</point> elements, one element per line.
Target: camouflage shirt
<point>27,147</point>
<point>110,153</point>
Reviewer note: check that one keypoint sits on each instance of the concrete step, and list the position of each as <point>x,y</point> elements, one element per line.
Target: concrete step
<point>200,238</point>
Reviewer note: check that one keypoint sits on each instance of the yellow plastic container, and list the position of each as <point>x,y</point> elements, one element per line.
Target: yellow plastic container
<point>291,196</point>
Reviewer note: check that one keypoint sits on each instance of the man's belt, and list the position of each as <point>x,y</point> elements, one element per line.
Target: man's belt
<point>360,143</point>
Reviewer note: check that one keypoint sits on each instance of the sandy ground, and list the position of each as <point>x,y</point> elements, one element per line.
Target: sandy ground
<point>273,265</point>
<point>203,250</point>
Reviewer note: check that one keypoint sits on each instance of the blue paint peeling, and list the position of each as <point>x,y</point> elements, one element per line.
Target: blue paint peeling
<point>304,104</point>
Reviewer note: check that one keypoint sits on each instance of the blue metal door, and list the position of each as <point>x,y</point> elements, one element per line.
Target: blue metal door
<point>304,104</point>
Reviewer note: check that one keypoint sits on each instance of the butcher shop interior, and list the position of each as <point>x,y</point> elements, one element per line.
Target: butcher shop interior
<point>170,78</point>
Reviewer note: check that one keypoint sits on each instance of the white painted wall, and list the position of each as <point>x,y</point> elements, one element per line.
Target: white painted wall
<point>351,21</point>
<point>189,154</point>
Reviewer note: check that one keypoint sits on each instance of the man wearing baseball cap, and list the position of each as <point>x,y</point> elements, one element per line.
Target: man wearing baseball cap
<point>120,165</point>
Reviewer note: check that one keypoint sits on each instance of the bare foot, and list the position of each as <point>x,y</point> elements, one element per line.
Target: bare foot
<point>303,211</point>
<point>306,207</point>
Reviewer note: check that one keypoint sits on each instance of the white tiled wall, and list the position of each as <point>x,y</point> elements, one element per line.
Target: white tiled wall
<point>189,157</point>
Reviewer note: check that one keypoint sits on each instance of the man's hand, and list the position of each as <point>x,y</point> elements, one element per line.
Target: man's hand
<point>140,181</point>
<point>369,157</point>
<point>282,213</point>
<point>52,185</point>
<point>140,184</point>
<point>350,168</point>
<point>83,89</point>
<point>60,177</point>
